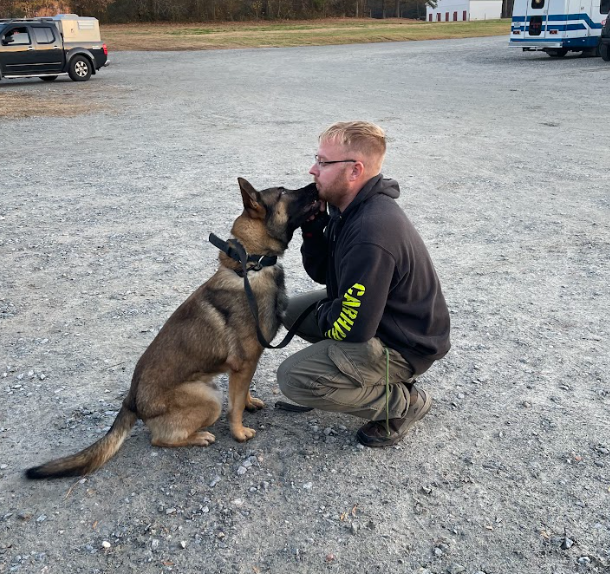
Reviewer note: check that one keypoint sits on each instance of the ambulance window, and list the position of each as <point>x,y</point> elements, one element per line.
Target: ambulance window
<point>535,27</point>
<point>604,7</point>
<point>537,4</point>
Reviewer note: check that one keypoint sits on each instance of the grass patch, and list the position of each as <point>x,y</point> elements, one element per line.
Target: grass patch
<point>288,34</point>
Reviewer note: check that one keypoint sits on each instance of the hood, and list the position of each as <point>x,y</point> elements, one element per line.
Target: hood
<point>376,185</point>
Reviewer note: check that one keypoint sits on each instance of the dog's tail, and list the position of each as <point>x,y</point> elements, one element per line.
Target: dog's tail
<point>94,456</point>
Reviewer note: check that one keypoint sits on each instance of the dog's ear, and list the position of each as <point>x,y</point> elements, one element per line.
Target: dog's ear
<point>252,199</point>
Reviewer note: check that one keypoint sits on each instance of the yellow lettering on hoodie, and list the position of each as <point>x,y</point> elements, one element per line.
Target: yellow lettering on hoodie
<point>349,312</point>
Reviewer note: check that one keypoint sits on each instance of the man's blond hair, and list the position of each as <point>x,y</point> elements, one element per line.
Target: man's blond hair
<point>365,138</point>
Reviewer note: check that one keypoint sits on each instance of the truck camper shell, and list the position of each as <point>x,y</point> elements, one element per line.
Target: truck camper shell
<point>78,29</point>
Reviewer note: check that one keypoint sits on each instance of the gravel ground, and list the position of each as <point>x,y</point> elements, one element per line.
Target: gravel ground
<point>503,160</point>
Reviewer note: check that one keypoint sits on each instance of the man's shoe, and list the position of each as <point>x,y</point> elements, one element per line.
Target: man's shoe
<point>375,433</point>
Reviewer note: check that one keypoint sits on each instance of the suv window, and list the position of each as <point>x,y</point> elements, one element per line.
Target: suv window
<point>44,35</point>
<point>20,36</point>
<point>604,7</point>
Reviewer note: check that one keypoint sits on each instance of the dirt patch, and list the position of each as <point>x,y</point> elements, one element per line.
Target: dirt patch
<point>26,104</point>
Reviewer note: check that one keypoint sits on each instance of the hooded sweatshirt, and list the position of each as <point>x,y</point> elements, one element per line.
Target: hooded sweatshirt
<point>380,280</point>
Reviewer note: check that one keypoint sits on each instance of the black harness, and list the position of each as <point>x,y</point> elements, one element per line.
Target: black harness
<point>236,251</point>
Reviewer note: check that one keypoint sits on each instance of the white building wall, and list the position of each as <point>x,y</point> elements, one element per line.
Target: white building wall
<point>473,9</point>
<point>485,9</point>
<point>445,7</point>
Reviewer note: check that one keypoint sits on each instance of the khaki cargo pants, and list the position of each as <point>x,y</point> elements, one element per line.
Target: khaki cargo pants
<point>342,377</point>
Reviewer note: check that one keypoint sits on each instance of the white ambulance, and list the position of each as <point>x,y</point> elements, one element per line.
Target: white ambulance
<point>558,26</point>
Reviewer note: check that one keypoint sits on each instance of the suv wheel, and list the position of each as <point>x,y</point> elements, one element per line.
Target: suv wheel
<point>80,69</point>
<point>604,52</point>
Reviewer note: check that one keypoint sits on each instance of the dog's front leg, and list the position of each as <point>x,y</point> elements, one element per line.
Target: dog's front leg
<point>239,391</point>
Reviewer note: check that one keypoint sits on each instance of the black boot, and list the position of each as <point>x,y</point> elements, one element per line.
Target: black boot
<point>375,433</point>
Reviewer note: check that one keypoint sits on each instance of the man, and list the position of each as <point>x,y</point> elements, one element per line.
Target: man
<point>382,320</point>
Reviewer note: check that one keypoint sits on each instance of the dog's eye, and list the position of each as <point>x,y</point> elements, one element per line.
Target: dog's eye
<point>282,191</point>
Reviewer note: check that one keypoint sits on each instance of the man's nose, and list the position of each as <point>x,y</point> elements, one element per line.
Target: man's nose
<point>314,170</point>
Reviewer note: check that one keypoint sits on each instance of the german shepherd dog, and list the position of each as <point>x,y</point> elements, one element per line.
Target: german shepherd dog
<point>212,332</point>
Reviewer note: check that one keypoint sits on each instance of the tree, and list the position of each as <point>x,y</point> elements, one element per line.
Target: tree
<point>89,7</point>
<point>31,8</point>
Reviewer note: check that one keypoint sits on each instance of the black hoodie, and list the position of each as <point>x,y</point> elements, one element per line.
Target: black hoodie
<point>379,278</point>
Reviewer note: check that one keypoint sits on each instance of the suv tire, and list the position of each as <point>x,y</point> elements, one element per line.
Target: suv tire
<point>604,52</point>
<point>80,69</point>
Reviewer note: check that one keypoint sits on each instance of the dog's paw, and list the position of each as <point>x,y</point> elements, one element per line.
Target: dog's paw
<point>254,405</point>
<point>243,434</point>
<point>203,438</point>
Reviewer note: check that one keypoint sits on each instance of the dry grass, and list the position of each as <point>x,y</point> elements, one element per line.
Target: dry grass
<point>19,104</point>
<point>207,36</point>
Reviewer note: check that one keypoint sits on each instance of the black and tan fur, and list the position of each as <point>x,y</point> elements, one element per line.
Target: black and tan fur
<point>212,332</point>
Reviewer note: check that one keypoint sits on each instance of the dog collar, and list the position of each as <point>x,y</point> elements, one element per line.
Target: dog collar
<point>236,251</point>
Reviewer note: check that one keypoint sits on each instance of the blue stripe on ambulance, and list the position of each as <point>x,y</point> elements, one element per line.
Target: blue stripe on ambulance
<point>561,18</point>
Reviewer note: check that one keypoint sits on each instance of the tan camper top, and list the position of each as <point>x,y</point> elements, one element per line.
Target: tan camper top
<point>78,28</point>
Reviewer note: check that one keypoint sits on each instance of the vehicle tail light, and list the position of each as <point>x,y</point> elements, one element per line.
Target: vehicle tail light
<point>105,48</point>
<point>552,31</point>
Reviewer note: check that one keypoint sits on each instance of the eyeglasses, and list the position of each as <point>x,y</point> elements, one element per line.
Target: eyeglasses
<point>322,163</point>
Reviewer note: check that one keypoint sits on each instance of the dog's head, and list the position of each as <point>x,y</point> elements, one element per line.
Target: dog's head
<point>272,215</point>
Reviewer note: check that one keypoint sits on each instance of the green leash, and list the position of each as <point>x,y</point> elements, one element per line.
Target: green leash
<point>387,390</point>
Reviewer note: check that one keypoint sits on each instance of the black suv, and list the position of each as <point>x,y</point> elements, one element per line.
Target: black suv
<point>47,47</point>
<point>604,41</point>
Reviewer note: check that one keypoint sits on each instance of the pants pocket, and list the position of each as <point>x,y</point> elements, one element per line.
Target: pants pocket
<point>360,362</point>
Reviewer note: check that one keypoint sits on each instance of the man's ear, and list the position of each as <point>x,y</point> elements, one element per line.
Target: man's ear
<point>357,170</point>
<point>251,199</point>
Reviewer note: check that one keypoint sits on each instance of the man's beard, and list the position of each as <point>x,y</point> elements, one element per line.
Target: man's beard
<point>334,190</point>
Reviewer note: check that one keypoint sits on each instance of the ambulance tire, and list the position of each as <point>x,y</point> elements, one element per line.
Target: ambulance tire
<point>557,53</point>
<point>604,51</point>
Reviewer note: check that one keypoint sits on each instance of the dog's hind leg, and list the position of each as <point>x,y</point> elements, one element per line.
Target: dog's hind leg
<point>192,407</point>
<point>239,399</point>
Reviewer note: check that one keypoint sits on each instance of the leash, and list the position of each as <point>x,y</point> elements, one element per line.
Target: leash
<point>237,252</point>
<point>387,391</point>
